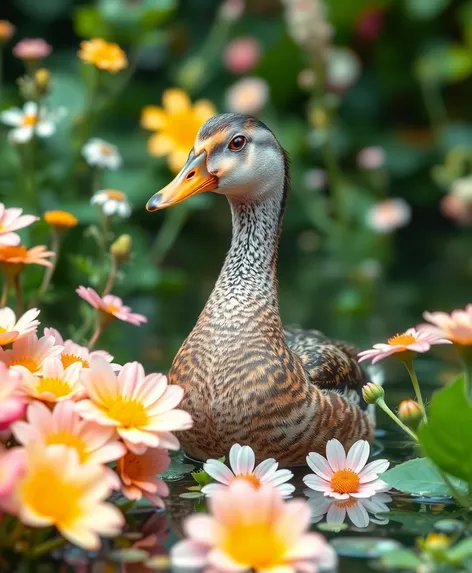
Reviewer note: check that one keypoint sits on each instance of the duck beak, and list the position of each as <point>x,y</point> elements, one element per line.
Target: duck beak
<point>192,179</point>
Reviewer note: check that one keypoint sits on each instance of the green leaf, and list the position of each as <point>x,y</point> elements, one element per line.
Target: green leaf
<point>400,559</point>
<point>445,63</point>
<point>425,9</point>
<point>202,478</point>
<point>190,495</point>
<point>461,551</point>
<point>447,437</point>
<point>419,476</point>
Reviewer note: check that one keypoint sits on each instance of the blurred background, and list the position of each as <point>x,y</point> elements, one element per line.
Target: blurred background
<point>372,100</point>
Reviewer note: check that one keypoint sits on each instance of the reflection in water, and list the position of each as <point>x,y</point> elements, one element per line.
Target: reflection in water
<point>360,511</point>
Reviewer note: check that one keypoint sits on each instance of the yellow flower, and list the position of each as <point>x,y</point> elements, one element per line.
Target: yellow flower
<point>104,55</point>
<point>176,125</point>
<point>60,219</point>
<point>57,490</point>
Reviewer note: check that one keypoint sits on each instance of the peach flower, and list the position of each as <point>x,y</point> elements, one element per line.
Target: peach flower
<point>13,258</point>
<point>12,403</point>
<point>140,407</point>
<point>456,327</point>
<point>139,475</point>
<point>241,55</point>
<point>12,329</point>
<point>30,352</point>
<point>248,95</point>
<point>12,467</point>
<point>388,215</point>
<point>110,306</point>
<point>11,220</point>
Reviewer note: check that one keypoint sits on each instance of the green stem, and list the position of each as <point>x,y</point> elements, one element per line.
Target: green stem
<point>434,105</point>
<point>416,386</point>
<point>335,180</point>
<point>381,403</point>
<point>465,359</point>
<point>55,246</point>
<point>169,231</point>
<point>456,494</point>
<point>46,547</point>
<point>5,291</point>
<point>19,295</point>
<point>111,276</point>
<point>95,337</point>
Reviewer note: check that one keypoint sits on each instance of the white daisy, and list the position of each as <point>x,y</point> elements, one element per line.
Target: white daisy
<point>360,511</point>
<point>112,202</point>
<point>28,121</point>
<point>99,153</point>
<point>242,461</point>
<point>343,477</point>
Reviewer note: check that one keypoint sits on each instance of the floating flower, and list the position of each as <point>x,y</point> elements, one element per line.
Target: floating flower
<point>242,461</point>
<point>7,31</point>
<point>57,490</point>
<point>140,407</point>
<point>55,383</point>
<point>30,352</point>
<point>12,403</point>
<point>12,259</point>
<point>60,220</point>
<point>343,69</point>
<point>12,329</point>
<point>176,124</point>
<point>110,306</point>
<point>456,327</point>
<point>12,468</point>
<point>28,122</point>
<point>99,153</point>
<point>74,352</point>
<point>32,49</point>
<point>357,510</point>
<point>103,55</point>
<point>112,202</point>
<point>371,157</point>
<point>11,220</point>
<point>343,477</point>
<point>248,95</point>
<point>241,55</point>
<point>253,529</point>
<point>388,215</point>
<point>412,340</point>
<point>63,426</point>
<point>138,474</point>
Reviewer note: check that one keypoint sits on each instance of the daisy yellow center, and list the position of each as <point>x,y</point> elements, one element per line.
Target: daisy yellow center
<point>27,361</point>
<point>106,150</point>
<point>345,481</point>
<point>59,388</point>
<point>3,330</point>
<point>129,413</point>
<point>115,195</point>
<point>30,120</point>
<point>111,308</point>
<point>67,439</point>
<point>250,478</point>
<point>401,340</point>
<point>255,545</point>
<point>68,359</point>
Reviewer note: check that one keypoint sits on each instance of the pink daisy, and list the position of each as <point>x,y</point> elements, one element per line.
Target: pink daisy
<point>11,220</point>
<point>12,329</point>
<point>12,467</point>
<point>111,306</point>
<point>12,403</point>
<point>342,476</point>
<point>30,352</point>
<point>456,327</point>
<point>412,340</point>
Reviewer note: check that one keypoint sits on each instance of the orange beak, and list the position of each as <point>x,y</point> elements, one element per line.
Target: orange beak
<point>192,179</point>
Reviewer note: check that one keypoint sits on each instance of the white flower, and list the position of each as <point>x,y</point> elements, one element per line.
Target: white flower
<point>388,215</point>
<point>242,461</point>
<point>343,477</point>
<point>357,510</point>
<point>28,121</point>
<point>343,69</point>
<point>112,202</point>
<point>462,188</point>
<point>248,95</point>
<point>102,154</point>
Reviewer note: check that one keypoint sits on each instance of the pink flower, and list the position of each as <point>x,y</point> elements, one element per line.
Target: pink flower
<point>412,340</point>
<point>63,425</point>
<point>12,220</point>
<point>12,467</point>
<point>241,55</point>
<point>30,352</point>
<point>140,407</point>
<point>388,215</point>
<point>32,49</point>
<point>456,327</point>
<point>254,529</point>
<point>342,476</point>
<point>371,157</point>
<point>457,208</point>
<point>232,10</point>
<point>248,95</point>
<point>12,403</point>
<point>110,305</point>
<point>12,329</point>
<point>139,475</point>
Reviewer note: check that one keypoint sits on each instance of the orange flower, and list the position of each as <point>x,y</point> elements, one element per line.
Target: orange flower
<point>103,55</point>
<point>60,219</point>
<point>12,259</point>
<point>6,30</point>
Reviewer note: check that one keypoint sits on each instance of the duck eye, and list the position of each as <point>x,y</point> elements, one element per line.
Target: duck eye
<point>237,143</point>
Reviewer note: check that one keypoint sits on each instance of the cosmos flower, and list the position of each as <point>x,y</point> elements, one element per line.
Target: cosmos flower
<point>176,125</point>
<point>28,121</point>
<point>242,54</point>
<point>99,153</point>
<point>248,95</point>
<point>12,468</point>
<point>12,329</point>
<point>388,215</point>
<point>12,403</point>
<point>57,490</point>
<point>112,202</point>
<point>30,352</point>
<point>32,49</point>
<point>74,352</point>
<point>110,305</point>
<point>274,533</point>
<point>103,55</point>
<point>138,474</point>
<point>60,220</point>
<point>242,461</point>
<point>342,476</point>
<point>456,327</point>
<point>141,408</point>
<point>11,220</point>
<point>412,340</point>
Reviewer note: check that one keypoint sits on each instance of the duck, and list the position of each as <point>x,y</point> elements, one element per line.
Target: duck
<point>246,379</point>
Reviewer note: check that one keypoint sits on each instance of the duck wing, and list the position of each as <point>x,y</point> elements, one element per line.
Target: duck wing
<point>330,364</point>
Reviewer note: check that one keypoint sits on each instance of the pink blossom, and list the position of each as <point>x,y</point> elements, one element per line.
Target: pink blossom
<point>388,215</point>
<point>241,55</point>
<point>32,49</point>
<point>412,340</point>
<point>456,327</point>
<point>12,403</point>
<point>232,10</point>
<point>457,208</point>
<point>11,220</point>
<point>110,305</point>
<point>12,467</point>
<point>371,157</point>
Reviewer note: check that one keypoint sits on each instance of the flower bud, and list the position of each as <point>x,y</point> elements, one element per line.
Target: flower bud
<point>42,80</point>
<point>435,543</point>
<point>372,393</point>
<point>121,248</point>
<point>410,413</point>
